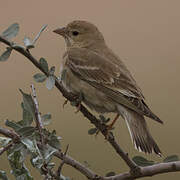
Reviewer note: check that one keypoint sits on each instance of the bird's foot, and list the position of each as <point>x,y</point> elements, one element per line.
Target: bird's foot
<point>77,102</point>
<point>65,102</point>
<point>110,127</point>
<point>108,130</point>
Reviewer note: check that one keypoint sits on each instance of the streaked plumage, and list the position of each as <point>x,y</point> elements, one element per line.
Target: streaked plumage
<point>91,68</point>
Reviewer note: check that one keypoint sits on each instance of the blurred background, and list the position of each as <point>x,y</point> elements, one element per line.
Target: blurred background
<point>145,34</point>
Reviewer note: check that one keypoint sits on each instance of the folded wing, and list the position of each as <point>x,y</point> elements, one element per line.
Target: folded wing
<point>112,79</point>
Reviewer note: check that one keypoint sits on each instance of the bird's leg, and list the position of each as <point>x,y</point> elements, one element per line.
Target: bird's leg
<point>77,101</point>
<point>110,126</point>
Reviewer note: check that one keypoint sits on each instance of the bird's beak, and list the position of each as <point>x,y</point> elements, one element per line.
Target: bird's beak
<point>61,31</point>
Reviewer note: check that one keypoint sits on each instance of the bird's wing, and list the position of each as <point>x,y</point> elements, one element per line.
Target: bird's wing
<point>112,79</point>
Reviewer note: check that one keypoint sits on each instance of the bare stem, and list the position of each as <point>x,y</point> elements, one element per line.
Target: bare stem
<point>62,163</point>
<point>148,171</point>
<point>77,165</point>
<point>9,133</point>
<point>39,123</point>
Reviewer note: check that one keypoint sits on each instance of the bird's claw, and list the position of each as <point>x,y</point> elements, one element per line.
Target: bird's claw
<point>108,130</point>
<point>65,102</point>
<point>77,101</point>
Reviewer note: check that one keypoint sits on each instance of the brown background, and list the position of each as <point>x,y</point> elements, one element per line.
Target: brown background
<point>146,34</point>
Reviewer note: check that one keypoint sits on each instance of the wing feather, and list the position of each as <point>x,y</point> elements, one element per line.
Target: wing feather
<point>115,81</point>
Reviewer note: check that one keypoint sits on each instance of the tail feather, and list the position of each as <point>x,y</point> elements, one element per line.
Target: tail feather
<point>139,132</point>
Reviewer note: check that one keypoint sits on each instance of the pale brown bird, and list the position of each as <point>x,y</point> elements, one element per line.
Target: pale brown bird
<point>90,68</point>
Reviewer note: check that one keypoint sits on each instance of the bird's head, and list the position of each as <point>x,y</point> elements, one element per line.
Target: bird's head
<point>80,33</point>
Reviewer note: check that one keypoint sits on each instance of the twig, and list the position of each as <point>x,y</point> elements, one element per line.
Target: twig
<point>148,171</point>
<point>2,150</point>
<point>77,165</point>
<point>39,123</point>
<point>10,133</point>
<point>62,163</point>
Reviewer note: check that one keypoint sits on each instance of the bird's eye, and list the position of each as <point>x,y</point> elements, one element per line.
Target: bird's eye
<point>75,33</point>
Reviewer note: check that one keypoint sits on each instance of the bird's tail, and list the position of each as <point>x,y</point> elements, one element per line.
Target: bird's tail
<point>139,132</point>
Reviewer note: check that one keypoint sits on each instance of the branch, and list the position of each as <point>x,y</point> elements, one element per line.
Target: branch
<point>160,168</point>
<point>38,120</point>
<point>9,133</point>
<point>8,146</point>
<point>80,167</point>
<point>65,158</point>
<point>102,127</point>
<point>62,163</point>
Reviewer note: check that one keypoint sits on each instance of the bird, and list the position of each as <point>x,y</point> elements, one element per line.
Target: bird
<point>91,69</point>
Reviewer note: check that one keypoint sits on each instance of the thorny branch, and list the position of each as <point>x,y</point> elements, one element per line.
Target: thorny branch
<point>135,171</point>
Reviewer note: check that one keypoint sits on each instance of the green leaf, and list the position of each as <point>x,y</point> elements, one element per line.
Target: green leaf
<point>26,131</point>
<point>37,159</point>
<point>28,43</point>
<point>29,144</point>
<point>50,82</point>
<point>103,119</point>
<point>51,165</point>
<point>52,70</point>
<point>3,175</point>
<point>141,161</point>
<point>46,119</point>
<point>4,141</point>
<point>28,103</point>
<point>38,35</point>
<point>11,31</point>
<point>27,117</point>
<point>14,45</point>
<point>12,124</point>
<point>36,156</point>
<point>110,174</point>
<point>171,158</point>
<point>44,64</point>
<point>24,176</point>
<point>39,77</point>
<point>54,141</point>
<point>92,131</point>
<point>6,55</point>
<point>16,147</point>
<point>47,153</point>
<point>18,167</point>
